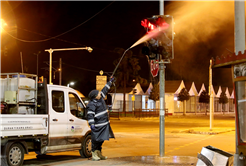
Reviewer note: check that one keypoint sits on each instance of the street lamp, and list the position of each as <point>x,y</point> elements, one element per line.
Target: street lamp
<point>3,24</point>
<point>89,49</point>
<point>71,83</point>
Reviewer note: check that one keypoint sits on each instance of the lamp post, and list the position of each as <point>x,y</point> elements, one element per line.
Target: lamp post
<point>89,49</point>
<point>60,71</point>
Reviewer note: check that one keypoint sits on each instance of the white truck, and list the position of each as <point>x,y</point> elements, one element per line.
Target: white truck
<point>41,118</point>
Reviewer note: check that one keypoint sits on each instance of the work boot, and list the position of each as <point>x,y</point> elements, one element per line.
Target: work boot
<point>95,156</point>
<point>99,154</point>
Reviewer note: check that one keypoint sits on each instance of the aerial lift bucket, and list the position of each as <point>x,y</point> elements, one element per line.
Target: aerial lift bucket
<point>211,156</point>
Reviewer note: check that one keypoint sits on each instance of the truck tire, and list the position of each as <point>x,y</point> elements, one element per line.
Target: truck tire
<point>85,151</point>
<point>14,155</point>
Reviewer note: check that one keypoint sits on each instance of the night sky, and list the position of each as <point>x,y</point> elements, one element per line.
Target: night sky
<point>201,33</point>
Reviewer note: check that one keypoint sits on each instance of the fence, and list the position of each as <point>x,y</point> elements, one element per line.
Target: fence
<point>130,105</point>
<point>114,113</point>
<point>138,113</point>
<point>192,106</point>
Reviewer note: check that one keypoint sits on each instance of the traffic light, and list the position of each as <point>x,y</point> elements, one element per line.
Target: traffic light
<point>134,91</point>
<point>160,30</point>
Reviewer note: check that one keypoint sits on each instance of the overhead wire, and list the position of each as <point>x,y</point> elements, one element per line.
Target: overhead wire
<point>63,40</point>
<point>66,41</point>
<point>36,41</point>
<point>85,68</point>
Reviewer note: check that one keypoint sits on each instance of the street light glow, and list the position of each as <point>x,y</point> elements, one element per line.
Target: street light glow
<point>3,24</point>
<point>89,49</point>
<point>71,83</point>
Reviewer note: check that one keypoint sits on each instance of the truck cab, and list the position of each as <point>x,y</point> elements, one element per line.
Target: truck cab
<point>67,121</point>
<point>41,118</point>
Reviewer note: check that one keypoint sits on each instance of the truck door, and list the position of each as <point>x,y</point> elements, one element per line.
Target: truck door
<point>58,118</point>
<point>76,123</point>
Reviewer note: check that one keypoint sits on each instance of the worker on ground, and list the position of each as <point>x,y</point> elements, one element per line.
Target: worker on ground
<point>98,119</point>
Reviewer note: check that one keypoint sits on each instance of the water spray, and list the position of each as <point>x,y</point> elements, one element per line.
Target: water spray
<point>146,37</point>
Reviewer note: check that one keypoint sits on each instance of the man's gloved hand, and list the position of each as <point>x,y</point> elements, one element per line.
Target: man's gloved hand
<point>112,79</point>
<point>110,108</point>
<point>93,128</point>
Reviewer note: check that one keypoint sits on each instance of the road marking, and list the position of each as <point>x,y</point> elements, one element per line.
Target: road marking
<point>188,144</point>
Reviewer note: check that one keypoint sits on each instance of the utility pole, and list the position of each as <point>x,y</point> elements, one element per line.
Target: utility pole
<point>37,64</point>
<point>162,99</point>
<point>60,73</point>
<point>211,98</point>
<point>37,60</point>
<point>161,26</point>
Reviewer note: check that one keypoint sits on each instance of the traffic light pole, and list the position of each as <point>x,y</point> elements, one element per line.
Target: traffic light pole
<point>162,99</point>
<point>162,111</point>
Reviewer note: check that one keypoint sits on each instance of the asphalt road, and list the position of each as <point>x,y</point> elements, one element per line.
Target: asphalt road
<point>136,137</point>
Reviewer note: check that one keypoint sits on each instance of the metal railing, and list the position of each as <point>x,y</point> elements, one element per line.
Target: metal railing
<point>138,113</point>
<point>114,113</point>
<point>143,113</point>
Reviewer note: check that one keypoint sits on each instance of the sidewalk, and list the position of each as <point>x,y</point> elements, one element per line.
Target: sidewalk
<point>205,130</point>
<point>145,160</point>
<point>130,161</point>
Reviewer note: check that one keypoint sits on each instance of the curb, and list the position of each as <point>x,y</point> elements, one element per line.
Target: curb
<point>192,131</point>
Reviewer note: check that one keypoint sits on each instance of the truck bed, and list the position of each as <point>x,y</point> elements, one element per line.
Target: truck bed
<point>23,125</point>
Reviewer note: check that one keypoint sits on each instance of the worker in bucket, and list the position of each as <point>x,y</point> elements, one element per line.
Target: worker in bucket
<point>97,115</point>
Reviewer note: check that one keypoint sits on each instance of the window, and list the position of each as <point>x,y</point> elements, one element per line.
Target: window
<point>76,106</point>
<point>58,101</point>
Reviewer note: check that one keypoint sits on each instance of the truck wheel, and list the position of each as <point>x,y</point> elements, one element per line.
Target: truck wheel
<point>15,155</point>
<point>86,147</point>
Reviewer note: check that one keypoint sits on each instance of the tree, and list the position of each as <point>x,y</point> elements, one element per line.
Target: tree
<point>183,96</point>
<point>127,72</point>
<point>154,94</point>
<point>223,100</point>
<point>204,98</point>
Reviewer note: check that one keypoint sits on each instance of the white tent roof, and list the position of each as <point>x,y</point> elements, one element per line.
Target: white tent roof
<point>139,90</point>
<point>202,89</point>
<point>149,89</point>
<point>232,95</point>
<point>181,86</point>
<point>219,92</point>
<point>227,93</point>
<point>193,91</point>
